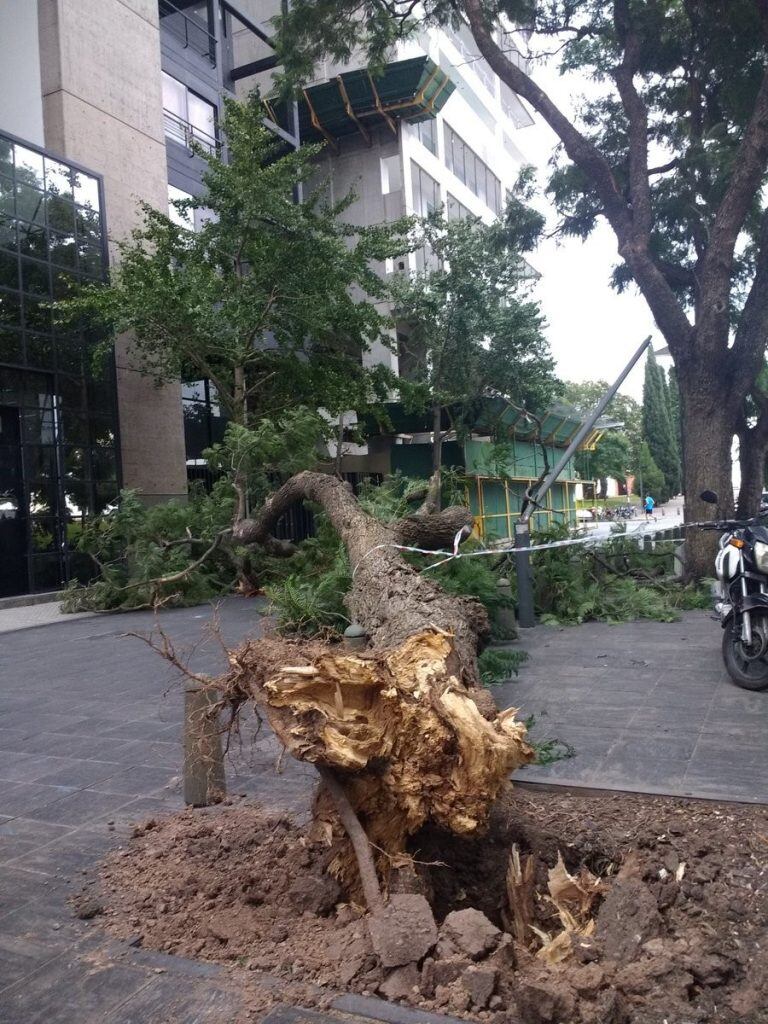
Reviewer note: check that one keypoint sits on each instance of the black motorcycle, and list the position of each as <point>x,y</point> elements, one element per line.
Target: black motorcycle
<point>741,596</point>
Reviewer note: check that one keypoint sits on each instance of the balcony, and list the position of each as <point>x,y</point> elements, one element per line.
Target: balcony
<point>190,29</point>
<point>185,133</point>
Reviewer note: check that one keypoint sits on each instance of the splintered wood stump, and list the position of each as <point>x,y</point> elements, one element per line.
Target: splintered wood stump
<point>402,731</point>
<point>404,726</point>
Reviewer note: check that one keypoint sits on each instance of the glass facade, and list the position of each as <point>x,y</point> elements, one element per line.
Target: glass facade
<point>470,169</point>
<point>58,419</point>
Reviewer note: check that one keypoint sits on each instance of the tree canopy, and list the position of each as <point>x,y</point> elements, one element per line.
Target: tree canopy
<point>269,298</point>
<point>671,149</point>
<point>472,329</point>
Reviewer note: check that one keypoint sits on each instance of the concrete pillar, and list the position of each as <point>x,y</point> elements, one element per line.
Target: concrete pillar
<point>102,107</point>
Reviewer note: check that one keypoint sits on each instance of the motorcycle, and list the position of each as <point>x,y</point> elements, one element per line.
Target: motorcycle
<point>741,596</point>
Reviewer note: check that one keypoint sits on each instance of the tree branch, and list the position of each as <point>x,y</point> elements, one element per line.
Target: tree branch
<point>666,308</point>
<point>749,166</point>
<point>752,333</point>
<point>637,115</point>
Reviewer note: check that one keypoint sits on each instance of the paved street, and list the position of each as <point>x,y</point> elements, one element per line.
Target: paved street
<point>647,706</point>
<point>89,743</point>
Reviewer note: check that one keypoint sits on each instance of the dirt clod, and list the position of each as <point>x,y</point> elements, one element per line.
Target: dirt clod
<point>404,931</point>
<point>628,917</point>
<point>480,983</point>
<point>468,932</point>
<point>401,983</point>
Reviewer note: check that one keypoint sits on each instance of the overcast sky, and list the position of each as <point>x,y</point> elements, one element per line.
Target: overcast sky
<point>592,330</point>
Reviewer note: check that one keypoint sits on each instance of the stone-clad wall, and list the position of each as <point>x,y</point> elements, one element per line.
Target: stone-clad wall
<point>102,106</point>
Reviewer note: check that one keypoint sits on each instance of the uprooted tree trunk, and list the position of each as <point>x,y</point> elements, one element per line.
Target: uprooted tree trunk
<point>400,725</point>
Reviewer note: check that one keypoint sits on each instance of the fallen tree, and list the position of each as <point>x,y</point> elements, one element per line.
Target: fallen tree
<point>401,732</point>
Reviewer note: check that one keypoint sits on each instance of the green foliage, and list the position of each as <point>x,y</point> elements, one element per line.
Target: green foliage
<point>550,750</point>
<point>264,299</point>
<point>617,453</point>
<point>572,586</point>
<point>269,451</point>
<point>649,475</point>
<point>497,665</point>
<point>310,603</point>
<point>133,545</point>
<point>658,429</point>
<point>472,329</point>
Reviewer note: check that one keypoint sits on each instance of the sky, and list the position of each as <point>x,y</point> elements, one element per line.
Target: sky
<point>592,331</point>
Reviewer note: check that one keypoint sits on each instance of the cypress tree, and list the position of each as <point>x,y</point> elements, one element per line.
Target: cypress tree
<point>658,431</point>
<point>674,411</point>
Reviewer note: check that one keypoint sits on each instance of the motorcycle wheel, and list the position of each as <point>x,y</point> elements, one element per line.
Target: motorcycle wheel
<point>749,675</point>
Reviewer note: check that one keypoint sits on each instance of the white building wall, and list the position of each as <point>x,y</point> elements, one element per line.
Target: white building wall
<point>21,93</point>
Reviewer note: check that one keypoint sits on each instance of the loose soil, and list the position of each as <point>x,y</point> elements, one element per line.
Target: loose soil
<point>680,925</point>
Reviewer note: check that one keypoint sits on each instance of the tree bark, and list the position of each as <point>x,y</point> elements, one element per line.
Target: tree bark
<point>389,598</point>
<point>437,458</point>
<point>707,431</point>
<point>753,451</point>
<point>402,724</point>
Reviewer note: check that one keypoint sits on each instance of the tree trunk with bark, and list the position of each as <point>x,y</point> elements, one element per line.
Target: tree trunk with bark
<point>753,451</point>
<point>707,432</point>
<point>403,725</point>
<point>715,377</point>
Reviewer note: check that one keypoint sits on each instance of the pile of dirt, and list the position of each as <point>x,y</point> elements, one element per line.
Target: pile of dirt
<point>672,921</point>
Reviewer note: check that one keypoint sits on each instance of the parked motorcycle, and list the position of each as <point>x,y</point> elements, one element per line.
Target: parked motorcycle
<point>741,596</point>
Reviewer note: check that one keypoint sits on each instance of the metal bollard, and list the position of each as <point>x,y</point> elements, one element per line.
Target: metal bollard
<point>204,778</point>
<point>505,614</point>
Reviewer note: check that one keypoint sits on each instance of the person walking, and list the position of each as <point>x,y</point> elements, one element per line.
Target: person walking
<point>650,504</point>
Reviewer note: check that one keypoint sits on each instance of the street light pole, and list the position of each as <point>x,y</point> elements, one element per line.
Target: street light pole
<point>525,610</point>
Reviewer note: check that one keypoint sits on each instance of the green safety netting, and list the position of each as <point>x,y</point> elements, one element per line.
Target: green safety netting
<point>357,101</point>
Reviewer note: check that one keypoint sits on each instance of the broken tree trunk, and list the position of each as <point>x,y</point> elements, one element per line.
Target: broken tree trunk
<point>389,598</point>
<point>399,725</point>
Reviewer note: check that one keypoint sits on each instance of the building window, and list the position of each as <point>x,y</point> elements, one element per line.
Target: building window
<point>457,210</point>
<point>472,171</point>
<point>426,132</point>
<point>188,116</point>
<point>193,219</point>
<point>58,455</point>
<point>391,174</point>
<point>191,23</point>
<point>426,191</point>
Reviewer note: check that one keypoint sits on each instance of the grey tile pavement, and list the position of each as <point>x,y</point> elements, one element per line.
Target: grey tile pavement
<point>90,729</point>
<point>647,706</point>
<point>89,744</point>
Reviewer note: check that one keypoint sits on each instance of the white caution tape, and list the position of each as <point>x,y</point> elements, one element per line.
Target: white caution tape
<point>449,556</point>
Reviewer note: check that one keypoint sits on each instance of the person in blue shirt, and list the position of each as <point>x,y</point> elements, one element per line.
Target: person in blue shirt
<point>650,504</point>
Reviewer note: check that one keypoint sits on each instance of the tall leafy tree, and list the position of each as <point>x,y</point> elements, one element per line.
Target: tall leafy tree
<point>270,299</point>
<point>472,329</point>
<point>672,152</point>
<point>612,457</point>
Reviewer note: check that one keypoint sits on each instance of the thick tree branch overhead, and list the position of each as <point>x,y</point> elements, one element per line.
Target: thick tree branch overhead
<point>633,246</point>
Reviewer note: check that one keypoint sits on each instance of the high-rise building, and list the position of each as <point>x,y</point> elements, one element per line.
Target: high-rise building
<point>99,103</point>
<point>99,100</point>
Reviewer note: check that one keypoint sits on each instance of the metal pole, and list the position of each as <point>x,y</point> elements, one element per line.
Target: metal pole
<point>583,430</point>
<point>525,611</point>
<point>526,617</point>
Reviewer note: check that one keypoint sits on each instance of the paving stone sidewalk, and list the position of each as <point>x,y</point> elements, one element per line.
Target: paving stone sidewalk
<point>647,706</point>
<point>90,724</point>
<point>89,743</point>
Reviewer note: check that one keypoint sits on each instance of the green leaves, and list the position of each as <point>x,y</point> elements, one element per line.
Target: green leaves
<point>270,299</point>
<point>660,428</point>
<point>472,329</point>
